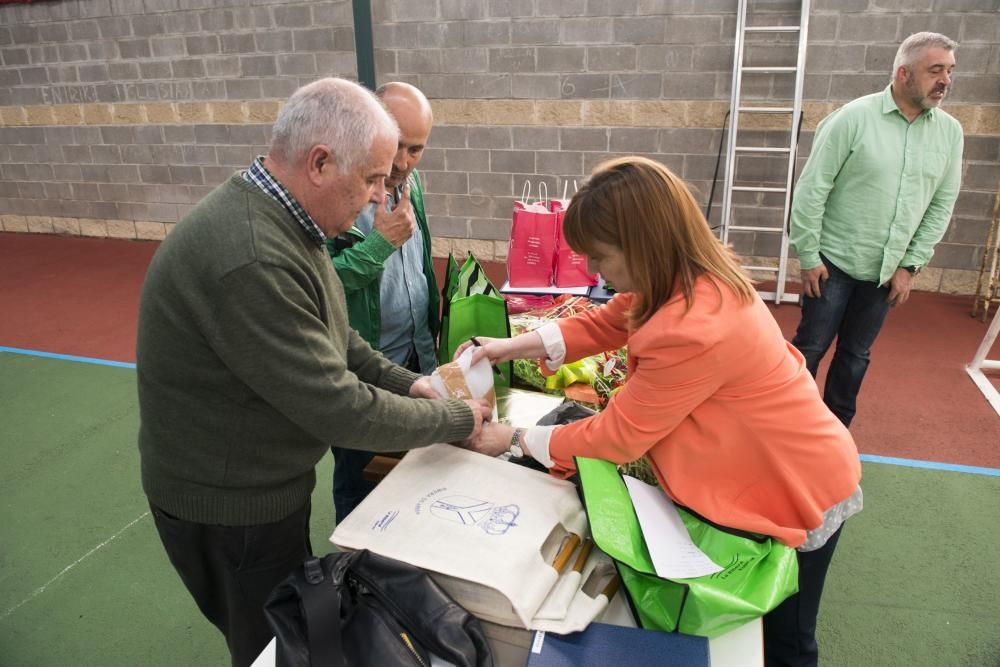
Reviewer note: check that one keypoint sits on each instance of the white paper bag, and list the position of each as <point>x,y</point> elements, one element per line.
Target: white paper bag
<point>486,529</point>
<point>464,380</point>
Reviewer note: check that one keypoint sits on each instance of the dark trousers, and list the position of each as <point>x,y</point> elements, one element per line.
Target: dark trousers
<point>790,628</point>
<point>231,570</point>
<point>853,311</point>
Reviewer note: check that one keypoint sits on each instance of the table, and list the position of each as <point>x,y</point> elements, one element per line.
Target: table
<point>742,647</point>
<point>596,293</point>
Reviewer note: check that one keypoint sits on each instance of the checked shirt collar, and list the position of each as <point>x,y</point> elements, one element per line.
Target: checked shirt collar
<point>262,178</point>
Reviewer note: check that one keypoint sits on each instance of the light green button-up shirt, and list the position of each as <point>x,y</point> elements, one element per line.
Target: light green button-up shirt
<point>877,191</point>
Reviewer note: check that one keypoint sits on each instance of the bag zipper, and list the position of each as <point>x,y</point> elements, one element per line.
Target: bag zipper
<point>396,612</point>
<point>412,649</point>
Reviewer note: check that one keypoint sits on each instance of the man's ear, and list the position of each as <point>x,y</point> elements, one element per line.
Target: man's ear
<point>901,73</point>
<point>318,163</point>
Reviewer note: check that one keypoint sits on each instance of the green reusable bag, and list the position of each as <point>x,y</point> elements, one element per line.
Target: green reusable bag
<point>759,573</point>
<point>472,306</point>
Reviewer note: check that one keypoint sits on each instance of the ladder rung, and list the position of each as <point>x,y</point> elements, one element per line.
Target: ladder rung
<point>761,149</point>
<point>765,109</point>
<point>770,69</point>
<point>787,297</point>
<point>746,188</point>
<point>739,228</point>
<point>772,269</point>
<point>772,28</point>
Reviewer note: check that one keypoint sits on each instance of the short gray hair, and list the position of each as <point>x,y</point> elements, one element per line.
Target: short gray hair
<point>336,113</point>
<point>913,45</point>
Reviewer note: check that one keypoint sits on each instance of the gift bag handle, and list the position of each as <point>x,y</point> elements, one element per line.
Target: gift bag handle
<point>543,192</point>
<point>566,188</point>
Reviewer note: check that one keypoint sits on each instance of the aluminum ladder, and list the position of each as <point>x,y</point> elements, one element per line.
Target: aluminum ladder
<point>735,148</point>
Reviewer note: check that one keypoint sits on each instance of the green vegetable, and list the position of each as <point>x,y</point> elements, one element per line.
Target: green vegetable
<point>526,370</point>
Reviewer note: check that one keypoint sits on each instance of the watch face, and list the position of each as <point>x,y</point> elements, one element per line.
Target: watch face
<point>516,451</point>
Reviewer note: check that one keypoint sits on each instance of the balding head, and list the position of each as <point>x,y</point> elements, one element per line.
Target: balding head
<point>412,112</point>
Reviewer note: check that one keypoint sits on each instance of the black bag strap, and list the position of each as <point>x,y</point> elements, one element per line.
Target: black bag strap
<point>321,606</point>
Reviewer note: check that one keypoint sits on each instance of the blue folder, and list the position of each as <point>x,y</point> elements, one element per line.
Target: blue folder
<point>602,645</point>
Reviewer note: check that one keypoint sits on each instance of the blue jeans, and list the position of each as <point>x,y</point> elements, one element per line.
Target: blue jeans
<point>853,311</point>
<point>349,484</point>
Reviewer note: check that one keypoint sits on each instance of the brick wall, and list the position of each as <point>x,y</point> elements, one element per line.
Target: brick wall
<point>117,116</point>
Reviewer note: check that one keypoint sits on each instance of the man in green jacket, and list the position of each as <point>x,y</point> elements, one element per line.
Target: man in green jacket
<point>384,261</point>
<point>874,198</point>
<point>248,369</point>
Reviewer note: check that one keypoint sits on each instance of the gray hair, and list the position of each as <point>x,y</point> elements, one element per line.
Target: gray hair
<point>334,112</point>
<point>913,46</point>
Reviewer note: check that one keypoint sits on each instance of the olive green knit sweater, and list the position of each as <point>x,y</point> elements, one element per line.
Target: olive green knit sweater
<point>248,371</point>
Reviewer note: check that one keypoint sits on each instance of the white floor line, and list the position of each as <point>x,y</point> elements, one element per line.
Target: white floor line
<point>41,589</point>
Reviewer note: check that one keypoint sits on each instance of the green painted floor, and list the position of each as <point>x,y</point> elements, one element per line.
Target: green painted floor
<point>84,581</point>
<point>83,577</point>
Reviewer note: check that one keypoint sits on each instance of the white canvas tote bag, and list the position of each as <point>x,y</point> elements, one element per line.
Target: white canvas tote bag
<point>488,530</point>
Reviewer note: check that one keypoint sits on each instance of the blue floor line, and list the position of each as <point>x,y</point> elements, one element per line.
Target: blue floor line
<point>67,357</point>
<point>889,460</point>
<point>931,465</point>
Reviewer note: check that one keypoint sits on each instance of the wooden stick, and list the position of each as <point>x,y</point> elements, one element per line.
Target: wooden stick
<point>612,587</point>
<point>568,547</point>
<point>581,560</point>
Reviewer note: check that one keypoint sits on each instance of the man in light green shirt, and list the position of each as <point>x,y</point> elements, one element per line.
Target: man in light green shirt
<point>874,198</point>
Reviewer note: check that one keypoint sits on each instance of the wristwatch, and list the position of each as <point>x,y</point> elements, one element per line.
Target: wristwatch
<point>515,443</point>
<point>914,270</point>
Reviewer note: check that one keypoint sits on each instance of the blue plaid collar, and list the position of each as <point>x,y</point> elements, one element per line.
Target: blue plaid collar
<point>258,174</point>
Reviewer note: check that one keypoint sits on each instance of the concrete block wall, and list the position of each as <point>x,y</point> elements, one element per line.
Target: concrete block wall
<point>117,116</point>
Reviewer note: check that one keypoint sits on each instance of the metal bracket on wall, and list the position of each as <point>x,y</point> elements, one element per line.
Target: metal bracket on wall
<point>364,45</point>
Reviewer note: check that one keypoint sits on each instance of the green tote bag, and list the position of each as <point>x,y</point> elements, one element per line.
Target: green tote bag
<point>472,306</point>
<point>759,572</point>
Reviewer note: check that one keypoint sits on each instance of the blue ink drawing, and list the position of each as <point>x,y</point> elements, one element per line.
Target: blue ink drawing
<point>491,518</point>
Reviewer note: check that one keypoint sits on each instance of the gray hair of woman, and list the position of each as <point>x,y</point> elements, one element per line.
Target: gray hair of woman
<point>913,46</point>
<point>333,112</point>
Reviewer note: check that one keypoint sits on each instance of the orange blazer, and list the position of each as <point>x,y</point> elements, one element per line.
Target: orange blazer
<point>723,407</point>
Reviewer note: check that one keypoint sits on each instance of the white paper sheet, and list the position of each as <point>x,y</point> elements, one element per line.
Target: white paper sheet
<point>544,289</point>
<point>674,555</point>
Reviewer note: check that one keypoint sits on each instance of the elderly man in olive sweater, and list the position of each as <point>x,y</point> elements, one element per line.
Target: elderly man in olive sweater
<point>248,370</point>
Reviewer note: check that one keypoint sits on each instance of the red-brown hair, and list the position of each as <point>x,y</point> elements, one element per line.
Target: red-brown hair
<point>640,206</point>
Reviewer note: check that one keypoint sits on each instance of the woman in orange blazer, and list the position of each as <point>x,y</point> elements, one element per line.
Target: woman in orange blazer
<point>721,405</point>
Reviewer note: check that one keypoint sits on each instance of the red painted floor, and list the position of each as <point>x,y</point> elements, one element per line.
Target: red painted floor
<point>71,295</point>
<point>79,296</point>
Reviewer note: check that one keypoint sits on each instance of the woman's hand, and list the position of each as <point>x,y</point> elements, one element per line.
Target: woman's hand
<point>498,350</point>
<point>492,440</point>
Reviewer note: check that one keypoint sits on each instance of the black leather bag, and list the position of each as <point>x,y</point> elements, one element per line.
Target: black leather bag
<point>352,609</point>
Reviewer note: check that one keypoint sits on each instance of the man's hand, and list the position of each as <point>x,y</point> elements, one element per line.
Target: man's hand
<point>899,287</point>
<point>812,279</point>
<point>398,225</point>
<point>492,440</point>
<point>482,413</point>
<point>422,388</point>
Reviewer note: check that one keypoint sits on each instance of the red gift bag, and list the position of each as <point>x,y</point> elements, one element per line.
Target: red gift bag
<point>533,240</point>
<point>571,267</point>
